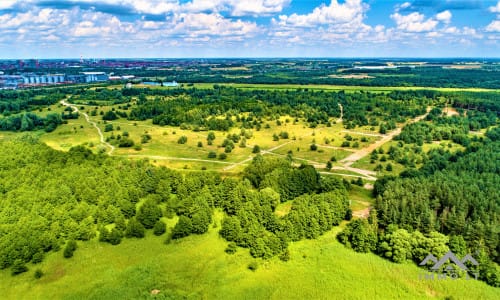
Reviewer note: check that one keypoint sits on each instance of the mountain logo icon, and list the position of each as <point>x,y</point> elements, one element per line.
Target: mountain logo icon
<point>449,256</point>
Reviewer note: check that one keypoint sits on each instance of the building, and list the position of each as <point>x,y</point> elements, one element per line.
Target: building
<point>10,81</point>
<point>95,76</point>
<point>34,79</point>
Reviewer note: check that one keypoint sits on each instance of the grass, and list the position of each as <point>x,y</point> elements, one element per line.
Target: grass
<point>346,88</point>
<point>198,268</point>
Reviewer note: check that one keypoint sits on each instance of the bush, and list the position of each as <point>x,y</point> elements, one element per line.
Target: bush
<point>182,228</point>
<point>253,266</point>
<point>134,229</point>
<point>222,156</point>
<point>38,274</point>
<point>126,143</point>
<point>108,127</point>
<point>182,140</point>
<point>18,267</point>
<point>256,149</point>
<point>69,249</point>
<point>313,147</point>
<point>159,228</point>
<point>231,248</point>
<point>212,154</point>
<point>37,258</point>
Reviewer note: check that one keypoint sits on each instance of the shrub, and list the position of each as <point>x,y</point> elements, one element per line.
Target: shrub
<point>69,249</point>
<point>212,154</point>
<point>182,140</point>
<point>231,248</point>
<point>38,274</point>
<point>159,228</point>
<point>108,127</point>
<point>18,267</point>
<point>253,266</point>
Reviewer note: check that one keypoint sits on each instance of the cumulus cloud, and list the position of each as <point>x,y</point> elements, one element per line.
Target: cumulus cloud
<point>494,26</point>
<point>202,24</point>
<point>444,16</point>
<point>335,13</point>
<point>496,8</point>
<point>259,7</point>
<point>414,22</point>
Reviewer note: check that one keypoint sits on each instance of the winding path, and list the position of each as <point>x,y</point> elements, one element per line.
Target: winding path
<point>87,118</point>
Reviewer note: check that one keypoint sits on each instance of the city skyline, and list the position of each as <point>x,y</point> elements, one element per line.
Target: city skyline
<point>259,28</point>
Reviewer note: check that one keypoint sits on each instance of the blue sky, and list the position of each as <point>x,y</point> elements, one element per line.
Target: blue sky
<point>249,28</point>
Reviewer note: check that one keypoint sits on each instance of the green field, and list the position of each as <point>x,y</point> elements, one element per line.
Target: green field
<point>347,88</point>
<point>197,268</point>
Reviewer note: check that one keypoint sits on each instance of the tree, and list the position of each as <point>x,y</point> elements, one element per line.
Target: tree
<point>328,165</point>
<point>18,267</point>
<point>69,249</point>
<point>115,236</point>
<point>159,228</point>
<point>256,149</point>
<point>134,229</point>
<point>108,127</point>
<point>182,228</point>
<point>148,214</point>
<point>38,274</point>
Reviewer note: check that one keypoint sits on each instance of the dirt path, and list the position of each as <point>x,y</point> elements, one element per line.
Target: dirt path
<point>364,133</point>
<point>87,118</point>
<point>351,159</point>
<point>159,157</point>
<point>363,213</point>
<point>340,120</point>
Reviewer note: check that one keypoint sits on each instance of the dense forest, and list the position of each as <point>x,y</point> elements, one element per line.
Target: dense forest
<point>50,199</point>
<point>451,202</point>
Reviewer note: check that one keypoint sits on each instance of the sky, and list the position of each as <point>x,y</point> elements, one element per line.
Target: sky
<point>248,28</point>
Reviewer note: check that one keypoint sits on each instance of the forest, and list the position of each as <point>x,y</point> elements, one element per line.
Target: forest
<point>51,199</point>
<point>450,203</point>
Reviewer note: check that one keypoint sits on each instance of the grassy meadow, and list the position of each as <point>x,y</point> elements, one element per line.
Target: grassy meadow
<point>197,267</point>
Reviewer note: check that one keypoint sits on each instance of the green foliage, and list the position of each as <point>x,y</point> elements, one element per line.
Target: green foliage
<point>182,140</point>
<point>231,248</point>
<point>183,228</point>
<point>69,249</point>
<point>38,274</point>
<point>253,266</point>
<point>148,214</point>
<point>159,228</point>
<point>108,127</point>
<point>135,229</point>
<point>359,235</point>
<point>18,267</point>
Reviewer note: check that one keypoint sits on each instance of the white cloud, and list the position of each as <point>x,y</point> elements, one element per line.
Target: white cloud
<point>6,4</point>
<point>335,13</point>
<point>444,16</point>
<point>257,7</point>
<point>496,8</point>
<point>198,24</point>
<point>494,26</point>
<point>414,22</point>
